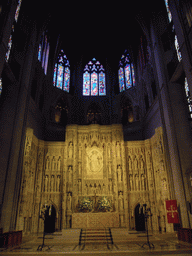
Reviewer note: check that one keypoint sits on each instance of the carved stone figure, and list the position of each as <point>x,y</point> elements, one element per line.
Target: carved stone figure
<point>118,149</point>
<point>46,183</point>
<point>121,207</point>
<point>119,175</point>
<point>70,173</point>
<point>69,201</point>
<point>142,182</point>
<point>59,164</point>
<point>70,154</point>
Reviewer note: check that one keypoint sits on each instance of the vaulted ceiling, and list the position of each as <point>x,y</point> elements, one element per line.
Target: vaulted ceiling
<point>100,29</point>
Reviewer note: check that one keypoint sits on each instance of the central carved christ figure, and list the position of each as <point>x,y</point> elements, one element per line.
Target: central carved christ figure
<point>94,164</point>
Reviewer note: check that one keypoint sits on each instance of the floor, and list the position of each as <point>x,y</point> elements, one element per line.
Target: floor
<point>125,243</point>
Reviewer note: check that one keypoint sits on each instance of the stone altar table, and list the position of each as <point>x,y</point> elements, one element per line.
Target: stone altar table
<point>95,220</point>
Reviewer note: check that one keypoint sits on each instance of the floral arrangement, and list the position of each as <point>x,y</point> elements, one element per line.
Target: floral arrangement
<point>85,205</point>
<point>104,205</point>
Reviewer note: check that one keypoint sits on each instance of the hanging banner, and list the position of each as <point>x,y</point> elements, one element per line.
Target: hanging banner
<point>172,213</point>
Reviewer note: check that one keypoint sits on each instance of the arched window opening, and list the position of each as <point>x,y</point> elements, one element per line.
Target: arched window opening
<point>43,53</point>
<point>94,115</point>
<point>61,112</point>
<point>94,79</point>
<point>126,73</point>
<point>1,86</point>
<point>127,112</point>
<point>61,76</point>
<point>189,99</point>
<point>13,29</point>
<point>177,48</point>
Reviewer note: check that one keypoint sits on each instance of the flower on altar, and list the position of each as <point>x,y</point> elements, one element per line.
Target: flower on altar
<point>104,205</point>
<point>85,205</point>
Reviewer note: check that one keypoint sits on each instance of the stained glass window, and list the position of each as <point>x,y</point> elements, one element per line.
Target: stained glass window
<point>10,38</point>
<point>1,86</point>
<point>43,53</point>
<point>61,76</point>
<point>94,79</point>
<point>189,99</point>
<point>179,57</point>
<point>126,72</point>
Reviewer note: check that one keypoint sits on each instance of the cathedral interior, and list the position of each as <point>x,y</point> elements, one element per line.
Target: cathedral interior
<point>95,114</point>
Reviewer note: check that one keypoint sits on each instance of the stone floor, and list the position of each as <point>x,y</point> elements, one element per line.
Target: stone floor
<point>125,243</point>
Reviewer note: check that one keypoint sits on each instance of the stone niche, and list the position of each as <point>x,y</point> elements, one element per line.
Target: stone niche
<point>94,162</point>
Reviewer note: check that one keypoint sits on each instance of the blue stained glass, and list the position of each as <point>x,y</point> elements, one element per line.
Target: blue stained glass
<point>9,48</point>
<point>60,76</point>
<point>102,89</point>
<point>55,75</point>
<point>86,84</point>
<point>17,10</point>
<point>46,59</point>
<point>44,53</point>
<point>177,49</point>
<point>1,86</point>
<point>121,80</point>
<point>128,78</point>
<point>168,10</point>
<point>67,79</point>
<point>39,53</point>
<point>94,79</point>
<point>94,89</point>
<point>133,74</point>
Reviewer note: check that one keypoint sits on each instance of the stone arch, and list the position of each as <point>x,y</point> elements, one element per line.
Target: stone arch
<point>139,218</point>
<point>94,113</point>
<point>50,219</point>
<point>59,110</point>
<point>129,107</point>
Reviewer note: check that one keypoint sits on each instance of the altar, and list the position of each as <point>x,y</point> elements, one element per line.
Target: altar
<point>95,220</point>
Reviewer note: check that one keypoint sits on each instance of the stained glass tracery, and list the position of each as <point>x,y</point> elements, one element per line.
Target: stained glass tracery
<point>126,73</point>
<point>94,79</point>
<point>177,48</point>
<point>13,26</point>
<point>43,53</point>
<point>189,99</point>
<point>61,76</point>
<point>1,86</point>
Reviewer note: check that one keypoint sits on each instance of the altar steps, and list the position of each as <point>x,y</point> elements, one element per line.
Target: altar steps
<point>89,236</point>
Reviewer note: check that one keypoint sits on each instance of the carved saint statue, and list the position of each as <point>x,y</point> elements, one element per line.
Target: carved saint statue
<point>121,202</point>
<point>118,149</point>
<point>46,183</point>
<point>59,164</point>
<point>70,154</point>
<point>131,182</point>
<point>69,201</point>
<point>119,175</point>
<point>70,173</point>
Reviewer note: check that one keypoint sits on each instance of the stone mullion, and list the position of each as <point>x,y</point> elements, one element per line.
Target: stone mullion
<point>63,180</point>
<point>125,192</point>
<point>114,176</point>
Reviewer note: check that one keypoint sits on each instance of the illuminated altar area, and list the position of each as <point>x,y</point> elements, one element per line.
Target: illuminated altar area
<point>94,164</point>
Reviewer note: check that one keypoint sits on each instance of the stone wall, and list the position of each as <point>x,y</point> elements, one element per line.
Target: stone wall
<point>94,161</point>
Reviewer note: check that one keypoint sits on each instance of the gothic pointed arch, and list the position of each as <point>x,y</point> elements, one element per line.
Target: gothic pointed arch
<point>127,115</point>
<point>94,79</point>
<point>126,72</point>
<point>59,111</point>
<point>61,76</point>
<point>94,114</point>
